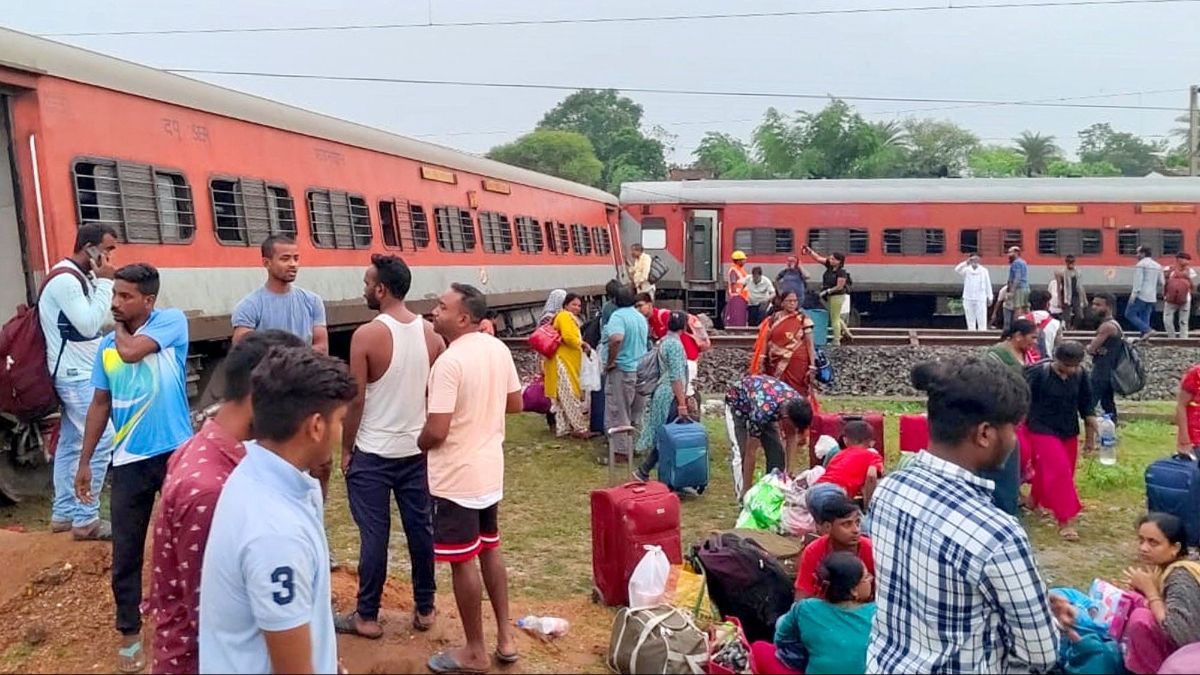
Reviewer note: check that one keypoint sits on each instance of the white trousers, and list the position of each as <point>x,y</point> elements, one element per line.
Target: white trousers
<point>976,312</point>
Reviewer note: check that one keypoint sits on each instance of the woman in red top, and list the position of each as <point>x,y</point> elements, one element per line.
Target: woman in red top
<point>1187,411</point>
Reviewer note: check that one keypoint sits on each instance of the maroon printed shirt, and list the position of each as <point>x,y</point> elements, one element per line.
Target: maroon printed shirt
<point>196,474</point>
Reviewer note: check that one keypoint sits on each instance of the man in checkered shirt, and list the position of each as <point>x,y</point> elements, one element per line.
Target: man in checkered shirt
<point>958,588</point>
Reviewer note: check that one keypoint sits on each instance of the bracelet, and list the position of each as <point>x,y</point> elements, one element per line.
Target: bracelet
<point>1151,600</point>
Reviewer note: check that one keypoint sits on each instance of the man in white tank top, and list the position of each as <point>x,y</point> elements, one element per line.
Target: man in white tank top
<point>390,359</point>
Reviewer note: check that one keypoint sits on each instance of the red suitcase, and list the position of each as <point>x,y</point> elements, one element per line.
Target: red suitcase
<point>624,519</point>
<point>831,424</point>
<point>914,433</point>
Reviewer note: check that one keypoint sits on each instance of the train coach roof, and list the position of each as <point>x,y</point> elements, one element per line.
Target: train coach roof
<point>914,190</point>
<point>25,52</point>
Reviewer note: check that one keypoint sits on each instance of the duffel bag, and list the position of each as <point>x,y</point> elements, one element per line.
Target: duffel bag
<point>658,639</point>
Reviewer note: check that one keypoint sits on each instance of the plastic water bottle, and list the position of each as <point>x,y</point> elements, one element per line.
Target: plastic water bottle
<point>1108,441</point>
<point>546,626</point>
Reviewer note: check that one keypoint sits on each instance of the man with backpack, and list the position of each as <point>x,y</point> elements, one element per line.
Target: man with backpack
<point>72,309</point>
<point>1177,295</point>
<point>1106,350</point>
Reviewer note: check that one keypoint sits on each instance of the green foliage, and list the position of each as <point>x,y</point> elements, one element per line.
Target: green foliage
<point>1061,168</point>
<point>565,154</point>
<point>1131,155</point>
<point>727,157</point>
<point>995,161</point>
<point>937,148</point>
<point>1037,151</point>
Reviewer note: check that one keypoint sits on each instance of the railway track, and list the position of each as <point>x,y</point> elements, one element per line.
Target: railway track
<point>902,337</point>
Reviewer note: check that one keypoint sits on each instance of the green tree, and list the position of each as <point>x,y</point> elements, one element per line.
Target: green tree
<point>833,143</point>
<point>613,125</point>
<point>1061,168</point>
<point>1131,155</point>
<point>565,154</point>
<point>727,157</point>
<point>937,148</point>
<point>995,161</point>
<point>1037,151</point>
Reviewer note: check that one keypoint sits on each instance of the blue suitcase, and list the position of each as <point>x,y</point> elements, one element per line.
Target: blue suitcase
<point>683,455</point>
<point>1173,486</point>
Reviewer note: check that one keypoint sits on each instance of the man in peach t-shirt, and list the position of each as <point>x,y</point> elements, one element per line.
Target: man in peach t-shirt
<point>472,386</point>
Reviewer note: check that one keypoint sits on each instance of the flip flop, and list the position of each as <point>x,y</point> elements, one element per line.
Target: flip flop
<point>1068,534</point>
<point>507,659</point>
<point>346,625</point>
<point>131,659</point>
<point>442,662</point>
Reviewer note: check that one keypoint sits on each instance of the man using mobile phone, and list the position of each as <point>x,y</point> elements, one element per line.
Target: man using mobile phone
<point>73,307</point>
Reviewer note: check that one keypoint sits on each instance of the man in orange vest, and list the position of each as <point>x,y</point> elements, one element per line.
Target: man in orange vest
<point>737,301</point>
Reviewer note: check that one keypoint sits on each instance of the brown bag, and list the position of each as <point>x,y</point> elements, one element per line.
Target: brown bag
<point>659,639</point>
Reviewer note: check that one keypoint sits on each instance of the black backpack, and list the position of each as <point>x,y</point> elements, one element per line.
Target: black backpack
<point>591,331</point>
<point>745,581</point>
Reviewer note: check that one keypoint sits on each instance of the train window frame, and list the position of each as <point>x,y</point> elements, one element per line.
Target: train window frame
<point>455,239</point>
<point>279,210</point>
<point>530,238</point>
<point>496,231</point>
<point>606,247</point>
<point>858,239</point>
<point>128,229</point>
<point>347,235</point>
<point>913,241</point>
<point>1003,239</point>
<point>552,243</point>
<point>1157,241</point>
<point>1061,248</point>
<point>401,218</point>
<point>658,226</point>
<point>765,240</point>
<point>581,239</point>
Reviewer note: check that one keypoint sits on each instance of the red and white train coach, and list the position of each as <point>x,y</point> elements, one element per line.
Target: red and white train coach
<point>904,237</point>
<point>194,176</point>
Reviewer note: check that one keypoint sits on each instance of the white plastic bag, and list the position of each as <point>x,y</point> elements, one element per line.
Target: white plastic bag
<point>648,585</point>
<point>589,372</point>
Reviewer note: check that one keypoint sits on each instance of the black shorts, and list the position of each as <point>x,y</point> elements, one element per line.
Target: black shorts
<point>459,533</point>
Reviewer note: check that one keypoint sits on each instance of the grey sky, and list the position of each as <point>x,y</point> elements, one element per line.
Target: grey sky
<point>1021,53</point>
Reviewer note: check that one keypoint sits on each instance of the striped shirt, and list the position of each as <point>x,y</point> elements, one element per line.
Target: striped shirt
<point>958,590</point>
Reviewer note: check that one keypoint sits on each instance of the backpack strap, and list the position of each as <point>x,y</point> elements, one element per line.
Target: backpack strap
<point>59,271</point>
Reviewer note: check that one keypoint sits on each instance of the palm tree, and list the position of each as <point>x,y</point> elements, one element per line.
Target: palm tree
<point>888,133</point>
<point>1038,151</point>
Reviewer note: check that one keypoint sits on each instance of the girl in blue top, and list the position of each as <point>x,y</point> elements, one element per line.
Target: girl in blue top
<point>830,635</point>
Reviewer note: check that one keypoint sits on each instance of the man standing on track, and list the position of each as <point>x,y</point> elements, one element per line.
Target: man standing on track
<point>140,380</point>
<point>1178,285</point>
<point>390,359</point>
<point>472,386</point>
<point>74,303</point>
<point>1074,296</point>
<point>1017,302</point>
<point>1142,297</point>
<point>977,292</point>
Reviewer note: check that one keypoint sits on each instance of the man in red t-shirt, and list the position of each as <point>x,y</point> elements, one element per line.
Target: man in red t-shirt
<point>1187,411</point>
<point>839,522</point>
<point>856,469</point>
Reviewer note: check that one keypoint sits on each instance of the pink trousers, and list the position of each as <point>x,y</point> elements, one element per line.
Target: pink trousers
<point>1053,462</point>
<point>764,662</point>
<point>1146,643</point>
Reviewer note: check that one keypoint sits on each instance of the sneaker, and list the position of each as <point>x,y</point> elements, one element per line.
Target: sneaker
<point>100,530</point>
<point>640,477</point>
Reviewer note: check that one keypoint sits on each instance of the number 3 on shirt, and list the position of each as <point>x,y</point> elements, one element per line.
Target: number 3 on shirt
<point>283,577</point>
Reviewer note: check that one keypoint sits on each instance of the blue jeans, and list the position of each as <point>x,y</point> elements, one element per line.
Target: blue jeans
<point>76,397</point>
<point>1139,312</point>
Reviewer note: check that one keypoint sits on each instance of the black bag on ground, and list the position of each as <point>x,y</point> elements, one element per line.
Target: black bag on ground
<point>746,582</point>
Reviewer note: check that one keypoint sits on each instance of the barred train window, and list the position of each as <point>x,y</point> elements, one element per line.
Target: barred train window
<point>764,240</point>
<point>552,243</point>
<point>1160,241</point>
<point>826,240</point>
<point>339,219</point>
<point>914,241</point>
<point>564,239</point>
<point>581,240</point>
<point>248,210</point>
<point>404,225</point>
<point>989,241</point>
<point>497,232</point>
<point>455,229</point>
<point>602,242</point>
<point>143,203</point>
<point>1070,241</point>
<point>529,235</point>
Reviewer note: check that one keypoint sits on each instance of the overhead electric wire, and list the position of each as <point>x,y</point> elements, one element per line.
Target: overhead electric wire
<point>940,7</point>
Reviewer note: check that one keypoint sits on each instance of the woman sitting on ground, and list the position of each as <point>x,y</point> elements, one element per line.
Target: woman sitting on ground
<point>561,373</point>
<point>1171,586</point>
<point>824,635</point>
<point>669,400</point>
<point>785,348</point>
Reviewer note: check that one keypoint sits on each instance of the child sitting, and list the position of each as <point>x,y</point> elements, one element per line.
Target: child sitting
<point>839,521</point>
<point>827,635</point>
<point>858,467</point>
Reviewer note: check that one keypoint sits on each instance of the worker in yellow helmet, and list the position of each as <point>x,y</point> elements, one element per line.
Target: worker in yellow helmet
<point>737,300</point>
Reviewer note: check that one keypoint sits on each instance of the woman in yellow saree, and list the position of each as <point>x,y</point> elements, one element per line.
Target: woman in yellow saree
<point>561,373</point>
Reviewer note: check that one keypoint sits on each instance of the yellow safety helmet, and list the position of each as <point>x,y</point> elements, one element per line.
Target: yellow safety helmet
<point>738,255</point>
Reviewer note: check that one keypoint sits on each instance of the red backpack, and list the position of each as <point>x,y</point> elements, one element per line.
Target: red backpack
<point>26,383</point>
<point>1177,288</point>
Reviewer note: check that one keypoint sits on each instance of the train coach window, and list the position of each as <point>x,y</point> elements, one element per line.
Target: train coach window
<point>455,229</point>
<point>564,239</point>
<point>1070,241</point>
<point>497,232</point>
<point>529,235</point>
<point>847,240</point>
<point>764,240</point>
<point>551,237</point>
<point>141,202</point>
<point>581,239</point>
<point>654,233</point>
<point>603,240</point>
<point>403,224</point>
<point>1160,241</point>
<point>338,219</point>
<point>914,241</point>
<point>988,241</point>
<point>246,210</point>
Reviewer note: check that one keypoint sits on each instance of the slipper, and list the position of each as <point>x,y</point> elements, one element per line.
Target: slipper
<point>131,659</point>
<point>1068,534</point>
<point>507,659</point>
<point>423,623</point>
<point>442,662</point>
<point>346,625</point>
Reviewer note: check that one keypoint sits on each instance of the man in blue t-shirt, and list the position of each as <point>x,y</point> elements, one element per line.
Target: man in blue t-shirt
<point>265,592</point>
<point>623,341</point>
<point>281,304</point>
<point>140,380</point>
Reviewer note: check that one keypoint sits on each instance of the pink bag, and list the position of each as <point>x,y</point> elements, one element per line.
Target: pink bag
<point>545,340</point>
<point>1116,605</point>
<point>534,397</point>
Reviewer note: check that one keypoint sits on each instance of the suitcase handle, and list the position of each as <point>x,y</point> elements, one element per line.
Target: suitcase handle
<point>638,487</point>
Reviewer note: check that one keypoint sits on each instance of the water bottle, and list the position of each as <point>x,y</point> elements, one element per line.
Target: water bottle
<point>1108,441</point>
<point>547,626</point>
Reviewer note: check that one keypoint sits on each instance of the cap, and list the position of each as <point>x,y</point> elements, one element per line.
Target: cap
<point>738,255</point>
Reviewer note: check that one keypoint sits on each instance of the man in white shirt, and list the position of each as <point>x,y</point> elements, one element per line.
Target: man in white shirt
<point>762,292</point>
<point>1144,294</point>
<point>390,359</point>
<point>265,592</point>
<point>639,270</point>
<point>977,292</point>
<point>73,307</point>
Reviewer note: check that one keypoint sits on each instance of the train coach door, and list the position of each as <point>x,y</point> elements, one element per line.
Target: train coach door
<point>702,237</point>
<point>12,260</point>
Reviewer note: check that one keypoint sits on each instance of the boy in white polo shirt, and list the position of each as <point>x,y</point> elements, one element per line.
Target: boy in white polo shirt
<point>265,592</point>
<point>472,385</point>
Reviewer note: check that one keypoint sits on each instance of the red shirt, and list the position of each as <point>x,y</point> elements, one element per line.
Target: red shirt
<point>196,473</point>
<point>1191,384</point>
<point>814,553</point>
<point>848,469</point>
<point>658,330</point>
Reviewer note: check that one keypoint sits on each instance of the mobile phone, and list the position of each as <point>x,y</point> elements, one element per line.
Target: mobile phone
<point>95,254</point>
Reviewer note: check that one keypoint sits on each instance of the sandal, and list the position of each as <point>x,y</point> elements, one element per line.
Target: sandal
<point>131,659</point>
<point>423,622</point>
<point>101,530</point>
<point>442,662</point>
<point>1068,533</point>
<point>507,659</point>
<point>347,624</point>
